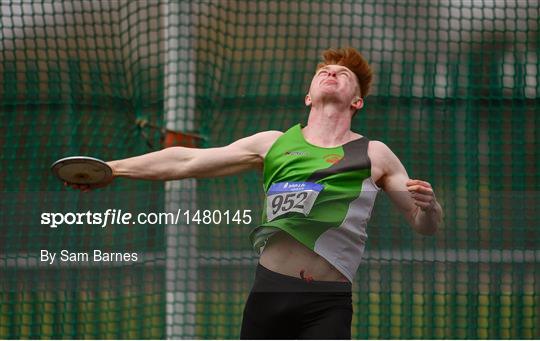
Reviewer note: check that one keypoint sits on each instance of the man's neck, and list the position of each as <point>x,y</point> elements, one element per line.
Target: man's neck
<point>328,126</point>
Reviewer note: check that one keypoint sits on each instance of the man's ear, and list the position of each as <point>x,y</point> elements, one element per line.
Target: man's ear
<point>307,100</point>
<point>357,103</point>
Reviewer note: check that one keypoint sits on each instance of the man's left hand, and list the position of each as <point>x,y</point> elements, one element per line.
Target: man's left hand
<point>422,194</point>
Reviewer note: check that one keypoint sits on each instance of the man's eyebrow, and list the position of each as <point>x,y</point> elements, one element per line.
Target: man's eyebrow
<point>341,68</point>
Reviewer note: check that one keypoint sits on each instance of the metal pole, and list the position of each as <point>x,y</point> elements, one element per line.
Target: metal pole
<point>181,240</point>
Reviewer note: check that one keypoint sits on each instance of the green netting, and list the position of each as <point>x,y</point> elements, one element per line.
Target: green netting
<point>455,96</point>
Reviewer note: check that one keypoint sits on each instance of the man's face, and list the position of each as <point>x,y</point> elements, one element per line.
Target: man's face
<point>335,82</point>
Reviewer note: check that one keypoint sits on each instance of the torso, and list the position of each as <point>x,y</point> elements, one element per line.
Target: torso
<point>285,255</point>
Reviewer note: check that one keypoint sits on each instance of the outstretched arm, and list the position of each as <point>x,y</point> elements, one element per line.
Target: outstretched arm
<point>179,162</point>
<point>414,198</point>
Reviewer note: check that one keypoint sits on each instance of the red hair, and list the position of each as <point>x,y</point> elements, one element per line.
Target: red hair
<point>354,61</point>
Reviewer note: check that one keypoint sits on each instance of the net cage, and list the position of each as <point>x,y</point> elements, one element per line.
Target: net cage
<point>455,96</point>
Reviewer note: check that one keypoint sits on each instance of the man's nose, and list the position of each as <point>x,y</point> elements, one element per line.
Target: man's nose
<point>332,74</point>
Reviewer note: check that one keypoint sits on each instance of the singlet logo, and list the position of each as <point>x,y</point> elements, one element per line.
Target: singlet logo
<point>332,158</point>
<point>294,185</point>
<point>296,153</point>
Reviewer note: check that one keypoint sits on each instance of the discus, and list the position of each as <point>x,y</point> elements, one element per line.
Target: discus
<point>82,170</point>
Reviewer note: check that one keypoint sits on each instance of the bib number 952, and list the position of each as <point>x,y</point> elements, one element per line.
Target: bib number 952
<point>286,202</point>
<point>285,197</point>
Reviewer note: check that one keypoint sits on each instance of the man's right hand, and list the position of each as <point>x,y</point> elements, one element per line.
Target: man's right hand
<point>89,187</point>
<point>86,188</point>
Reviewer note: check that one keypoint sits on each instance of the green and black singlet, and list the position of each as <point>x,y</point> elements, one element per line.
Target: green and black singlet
<point>322,197</point>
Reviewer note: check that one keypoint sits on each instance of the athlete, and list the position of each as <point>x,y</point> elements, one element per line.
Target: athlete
<point>321,181</point>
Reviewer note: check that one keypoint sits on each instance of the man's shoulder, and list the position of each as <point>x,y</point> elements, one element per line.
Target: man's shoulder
<point>264,137</point>
<point>379,152</point>
<point>378,145</point>
<point>261,142</point>
<point>270,133</point>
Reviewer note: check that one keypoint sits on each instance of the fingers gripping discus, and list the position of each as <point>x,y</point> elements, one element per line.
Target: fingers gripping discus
<point>82,170</point>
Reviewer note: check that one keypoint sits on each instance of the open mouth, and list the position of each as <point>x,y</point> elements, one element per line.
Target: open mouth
<point>331,82</point>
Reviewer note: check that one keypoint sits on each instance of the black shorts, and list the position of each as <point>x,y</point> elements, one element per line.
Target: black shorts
<point>286,307</point>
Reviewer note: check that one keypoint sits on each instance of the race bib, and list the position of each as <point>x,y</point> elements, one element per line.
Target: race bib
<point>285,197</point>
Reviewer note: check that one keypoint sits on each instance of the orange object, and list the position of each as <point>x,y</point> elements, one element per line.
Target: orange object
<point>169,138</point>
<point>176,138</point>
